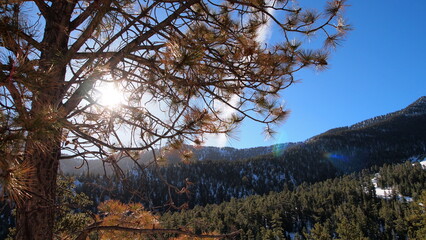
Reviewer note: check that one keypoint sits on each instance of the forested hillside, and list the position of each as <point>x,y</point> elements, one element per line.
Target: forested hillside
<point>342,208</point>
<point>207,181</point>
<point>391,138</point>
<point>172,156</point>
<point>282,190</point>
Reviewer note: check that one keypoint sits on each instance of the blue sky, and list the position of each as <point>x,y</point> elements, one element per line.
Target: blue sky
<point>380,68</point>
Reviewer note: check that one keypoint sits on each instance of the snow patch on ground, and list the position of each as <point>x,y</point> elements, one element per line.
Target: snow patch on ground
<point>421,159</point>
<point>385,193</point>
<point>388,193</point>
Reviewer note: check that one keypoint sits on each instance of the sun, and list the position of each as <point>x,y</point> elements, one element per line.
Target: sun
<point>110,95</point>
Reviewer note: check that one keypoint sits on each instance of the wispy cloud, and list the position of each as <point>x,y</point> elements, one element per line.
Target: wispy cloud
<point>264,33</point>
<point>221,140</point>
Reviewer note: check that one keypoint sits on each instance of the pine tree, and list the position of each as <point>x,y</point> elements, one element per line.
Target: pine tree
<point>278,230</point>
<point>318,232</point>
<point>267,234</point>
<point>249,235</point>
<point>417,218</point>
<point>349,223</point>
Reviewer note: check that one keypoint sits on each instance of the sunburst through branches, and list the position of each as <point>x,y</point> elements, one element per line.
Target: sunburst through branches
<point>109,93</point>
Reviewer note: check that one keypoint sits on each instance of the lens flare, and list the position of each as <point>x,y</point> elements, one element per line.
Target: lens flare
<point>336,156</point>
<point>280,144</point>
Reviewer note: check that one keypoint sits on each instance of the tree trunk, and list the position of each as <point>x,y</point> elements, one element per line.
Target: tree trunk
<point>35,217</point>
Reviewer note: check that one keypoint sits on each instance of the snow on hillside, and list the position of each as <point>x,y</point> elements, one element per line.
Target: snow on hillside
<point>387,193</point>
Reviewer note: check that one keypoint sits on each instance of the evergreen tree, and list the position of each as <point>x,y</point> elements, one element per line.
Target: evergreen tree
<point>349,211</point>
<point>318,232</point>
<point>277,228</point>
<point>267,234</point>
<point>417,218</point>
<point>249,235</point>
<point>350,222</point>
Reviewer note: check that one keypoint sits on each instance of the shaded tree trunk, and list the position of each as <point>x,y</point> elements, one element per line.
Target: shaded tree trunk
<point>35,217</point>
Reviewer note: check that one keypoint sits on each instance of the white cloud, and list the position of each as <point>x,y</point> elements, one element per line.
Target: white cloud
<point>221,140</point>
<point>264,33</point>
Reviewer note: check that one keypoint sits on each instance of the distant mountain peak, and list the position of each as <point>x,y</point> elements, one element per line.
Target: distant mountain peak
<point>421,100</point>
<point>416,108</point>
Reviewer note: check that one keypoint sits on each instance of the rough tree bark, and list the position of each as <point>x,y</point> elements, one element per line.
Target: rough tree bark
<point>36,216</point>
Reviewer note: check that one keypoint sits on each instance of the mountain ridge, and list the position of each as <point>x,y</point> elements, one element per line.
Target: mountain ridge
<point>412,109</point>
<point>346,142</point>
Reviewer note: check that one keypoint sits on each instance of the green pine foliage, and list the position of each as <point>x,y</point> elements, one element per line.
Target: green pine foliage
<point>416,218</point>
<point>341,208</point>
<point>319,232</point>
<point>407,179</point>
<point>337,208</point>
<point>74,209</point>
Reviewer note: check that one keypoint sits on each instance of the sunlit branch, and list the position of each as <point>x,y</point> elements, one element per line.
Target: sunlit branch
<point>85,15</point>
<point>88,31</point>
<point>84,88</point>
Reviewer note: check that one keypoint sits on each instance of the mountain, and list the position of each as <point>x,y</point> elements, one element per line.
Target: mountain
<point>207,181</point>
<point>205,153</point>
<point>417,108</point>
<point>208,153</point>
<point>272,183</point>
<point>224,173</point>
<point>390,138</point>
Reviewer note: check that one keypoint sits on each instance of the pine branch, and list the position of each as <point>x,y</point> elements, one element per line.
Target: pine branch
<point>43,7</point>
<point>87,85</point>
<point>88,32</point>
<point>83,16</point>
